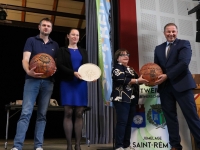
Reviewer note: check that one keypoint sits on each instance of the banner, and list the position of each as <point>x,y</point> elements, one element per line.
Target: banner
<point>149,130</point>
<point>104,47</point>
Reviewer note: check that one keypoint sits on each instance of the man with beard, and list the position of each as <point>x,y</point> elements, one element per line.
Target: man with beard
<point>36,86</point>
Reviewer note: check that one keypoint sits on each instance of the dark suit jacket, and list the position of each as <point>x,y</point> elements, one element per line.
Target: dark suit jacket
<point>176,65</point>
<point>64,64</point>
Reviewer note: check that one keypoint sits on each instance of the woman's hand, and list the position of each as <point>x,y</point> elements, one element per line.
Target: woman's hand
<point>76,74</point>
<point>141,80</point>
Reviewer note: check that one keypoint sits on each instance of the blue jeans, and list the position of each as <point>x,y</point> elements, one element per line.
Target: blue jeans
<point>33,88</point>
<point>124,113</point>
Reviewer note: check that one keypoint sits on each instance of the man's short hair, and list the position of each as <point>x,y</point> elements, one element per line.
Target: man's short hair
<point>45,19</point>
<point>170,24</point>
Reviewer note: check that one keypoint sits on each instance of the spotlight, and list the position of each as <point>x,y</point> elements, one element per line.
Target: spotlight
<point>3,14</point>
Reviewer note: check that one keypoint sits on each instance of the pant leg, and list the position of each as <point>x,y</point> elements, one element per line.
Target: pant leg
<point>122,113</point>
<point>168,104</point>
<point>45,92</point>
<point>127,135</point>
<point>187,104</point>
<point>31,89</point>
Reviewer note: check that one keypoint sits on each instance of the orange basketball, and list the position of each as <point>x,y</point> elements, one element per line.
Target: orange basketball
<point>150,72</point>
<point>44,63</point>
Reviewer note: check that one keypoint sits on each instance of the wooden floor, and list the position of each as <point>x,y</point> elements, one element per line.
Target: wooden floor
<point>56,144</point>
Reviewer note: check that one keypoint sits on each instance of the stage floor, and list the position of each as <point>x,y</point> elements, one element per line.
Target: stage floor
<point>55,144</point>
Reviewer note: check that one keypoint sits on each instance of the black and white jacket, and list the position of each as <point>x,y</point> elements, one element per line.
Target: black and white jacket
<point>122,91</point>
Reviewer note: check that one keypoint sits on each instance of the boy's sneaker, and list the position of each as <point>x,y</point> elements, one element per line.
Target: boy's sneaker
<point>39,148</point>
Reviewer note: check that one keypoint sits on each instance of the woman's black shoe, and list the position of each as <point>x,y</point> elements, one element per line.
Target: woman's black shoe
<point>77,147</point>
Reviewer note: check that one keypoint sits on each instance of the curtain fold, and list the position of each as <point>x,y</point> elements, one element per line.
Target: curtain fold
<point>92,49</point>
<point>100,119</point>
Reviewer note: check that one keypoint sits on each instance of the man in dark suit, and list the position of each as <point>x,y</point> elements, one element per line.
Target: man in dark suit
<point>176,84</point>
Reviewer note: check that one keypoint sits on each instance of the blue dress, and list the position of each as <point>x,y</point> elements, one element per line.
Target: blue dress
<point>74,93</point>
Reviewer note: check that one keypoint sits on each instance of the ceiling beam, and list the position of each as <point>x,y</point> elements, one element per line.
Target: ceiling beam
<point>23,13</point>
<point>35,26</point>
<point>41,11</point>
<point>55,5</point>
<point>80,22</point>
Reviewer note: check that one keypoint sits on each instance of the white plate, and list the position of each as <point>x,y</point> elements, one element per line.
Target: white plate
<point>89,72</point>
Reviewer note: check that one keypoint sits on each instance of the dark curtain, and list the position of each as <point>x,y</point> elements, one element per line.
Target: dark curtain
<point>92,48</point>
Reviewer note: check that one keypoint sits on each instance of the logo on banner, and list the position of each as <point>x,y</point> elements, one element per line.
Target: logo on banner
<point>139,119</point>
<point>156,117</point>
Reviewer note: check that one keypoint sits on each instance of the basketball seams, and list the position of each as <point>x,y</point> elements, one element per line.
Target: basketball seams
<point>44,63</point>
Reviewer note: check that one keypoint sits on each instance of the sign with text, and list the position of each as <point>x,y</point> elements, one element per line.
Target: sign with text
<point>149,130</point>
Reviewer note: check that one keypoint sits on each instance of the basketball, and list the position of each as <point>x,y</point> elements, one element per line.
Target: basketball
<point>44,63</point>
<point>150,72</point>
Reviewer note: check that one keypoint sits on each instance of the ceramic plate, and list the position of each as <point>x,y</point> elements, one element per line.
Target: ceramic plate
<point>89,72</point>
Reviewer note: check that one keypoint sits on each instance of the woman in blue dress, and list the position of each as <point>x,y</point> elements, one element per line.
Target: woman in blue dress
<point>73,90</point>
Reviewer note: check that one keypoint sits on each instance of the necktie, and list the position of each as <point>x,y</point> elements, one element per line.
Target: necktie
<point>168,50</point>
